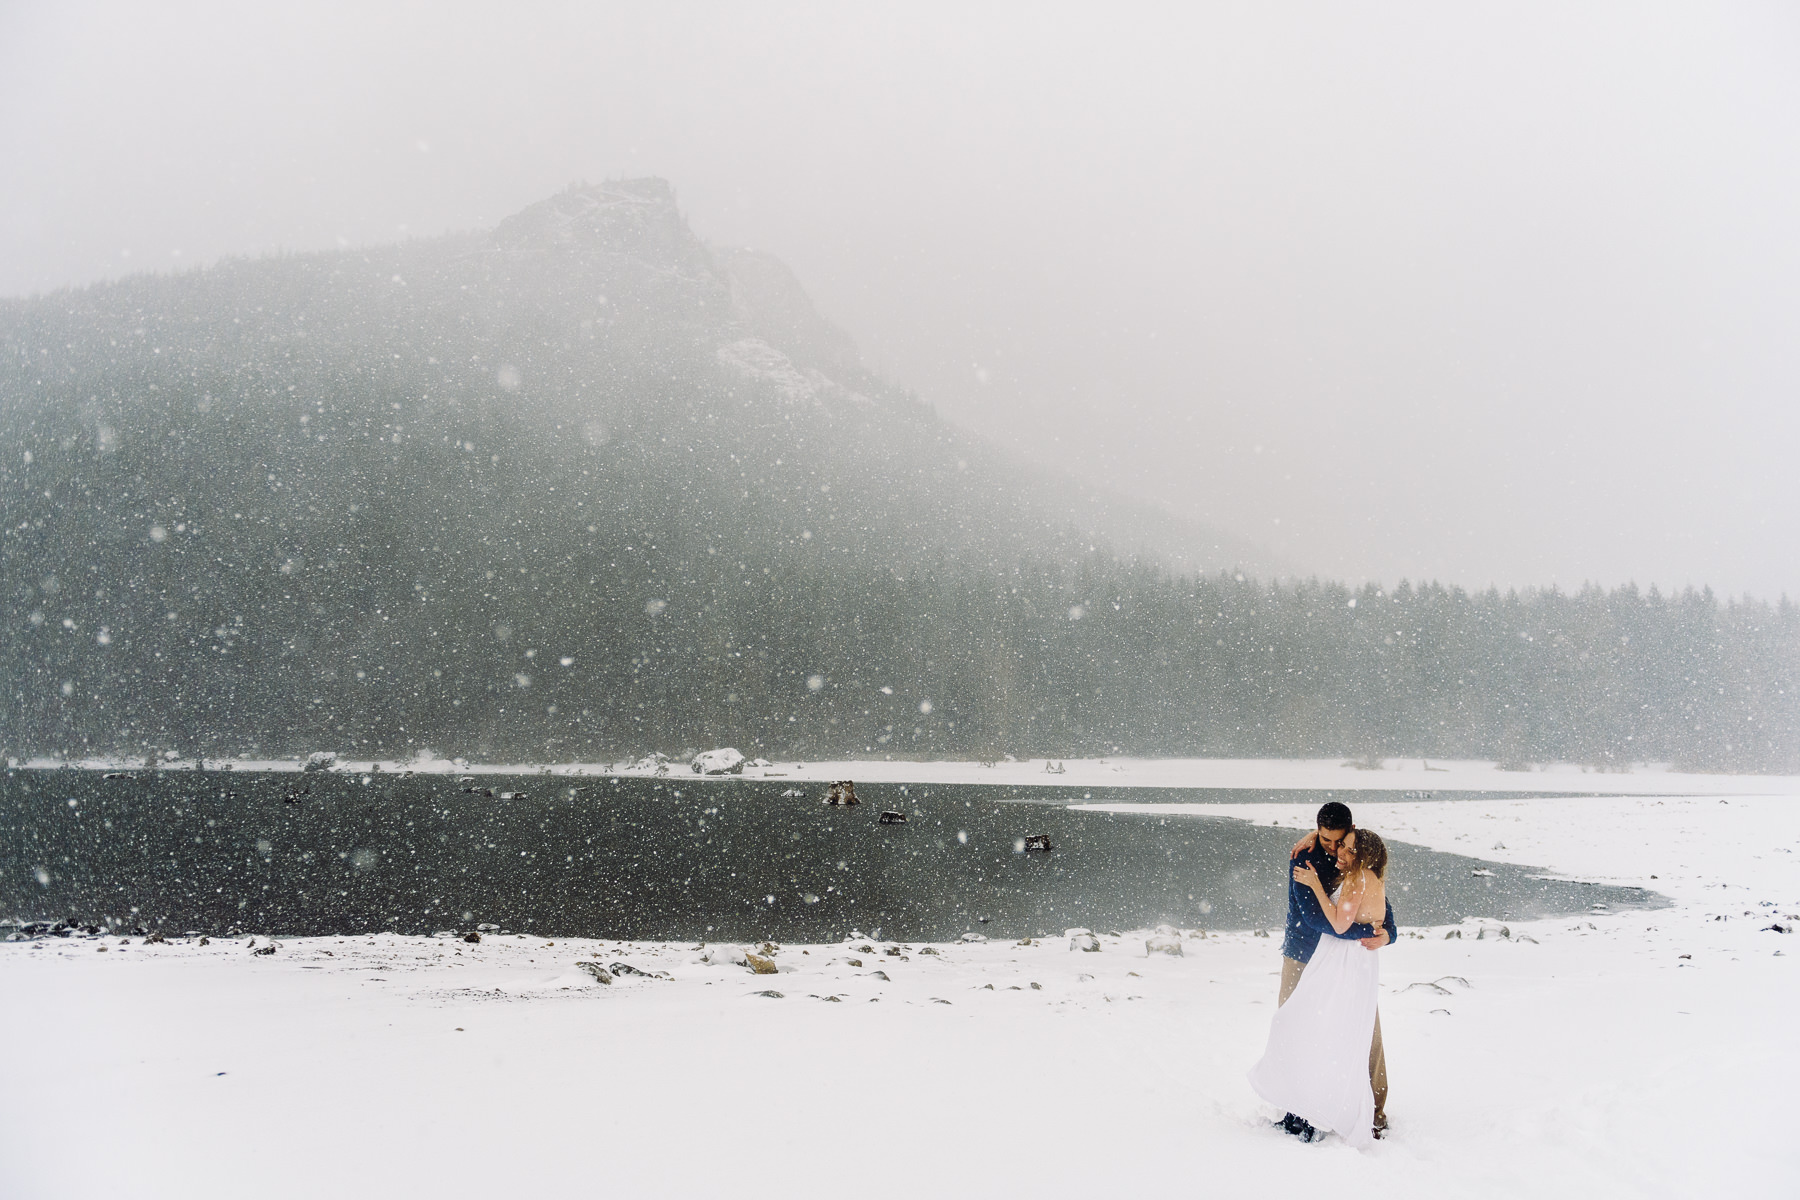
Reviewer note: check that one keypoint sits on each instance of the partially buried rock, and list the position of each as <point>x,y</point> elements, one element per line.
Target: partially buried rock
<point>1162,943</point>
<point>1039,842</point>
<point>262,946</point>
<point>893,818</point>
<point>928,950</point>
<point>771,993</point>
<point>471,936</point>
<point>760,965</point>
<point>1082,939</point>
<point>600,973</point>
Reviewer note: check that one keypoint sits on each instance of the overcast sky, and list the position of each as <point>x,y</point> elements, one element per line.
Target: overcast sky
<point>1482,293</point>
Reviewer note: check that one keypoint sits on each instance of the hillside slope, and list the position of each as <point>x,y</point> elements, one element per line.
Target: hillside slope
<point>225,491</point>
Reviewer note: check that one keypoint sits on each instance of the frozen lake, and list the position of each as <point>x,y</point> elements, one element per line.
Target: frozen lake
<point>676,858</point>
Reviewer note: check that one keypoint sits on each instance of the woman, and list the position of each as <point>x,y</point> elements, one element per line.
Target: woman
<point>1316,1065</point>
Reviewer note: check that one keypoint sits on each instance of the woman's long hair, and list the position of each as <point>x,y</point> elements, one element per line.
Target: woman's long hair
<point>1370,852</point>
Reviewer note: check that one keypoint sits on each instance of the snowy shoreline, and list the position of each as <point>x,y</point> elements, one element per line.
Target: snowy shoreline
<point>1229,774</point>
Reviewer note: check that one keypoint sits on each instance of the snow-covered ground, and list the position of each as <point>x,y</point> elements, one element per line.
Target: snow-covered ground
<point>1612,1055</point>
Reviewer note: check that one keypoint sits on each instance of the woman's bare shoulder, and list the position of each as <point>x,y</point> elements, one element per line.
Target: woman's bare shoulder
<point>1374,895</point>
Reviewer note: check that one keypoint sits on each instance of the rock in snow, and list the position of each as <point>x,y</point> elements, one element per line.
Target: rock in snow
<point>1082,939</point>
<point>600,973</point>
<point>725,761</point>
<point>320,760</point>
<point>1162,943</point>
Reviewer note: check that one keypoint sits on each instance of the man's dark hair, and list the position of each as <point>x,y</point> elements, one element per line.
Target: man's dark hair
<point>1334,816</point>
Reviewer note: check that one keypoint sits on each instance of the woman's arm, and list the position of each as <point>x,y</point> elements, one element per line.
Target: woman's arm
<point>1343,914</point>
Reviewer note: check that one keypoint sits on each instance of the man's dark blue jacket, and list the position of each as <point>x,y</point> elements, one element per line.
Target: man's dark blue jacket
<point>1306,920</point>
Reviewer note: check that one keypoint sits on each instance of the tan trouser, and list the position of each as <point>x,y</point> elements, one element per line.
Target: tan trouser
<point>1290,979</point>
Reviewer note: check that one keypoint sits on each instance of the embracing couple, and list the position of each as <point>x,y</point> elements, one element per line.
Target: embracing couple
<point>1324,1062</point>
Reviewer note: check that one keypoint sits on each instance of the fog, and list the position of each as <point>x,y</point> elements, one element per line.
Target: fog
<point>1488,295</point>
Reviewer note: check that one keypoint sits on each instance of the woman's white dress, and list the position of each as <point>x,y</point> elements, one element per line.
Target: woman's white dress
<point>1316,1064</point>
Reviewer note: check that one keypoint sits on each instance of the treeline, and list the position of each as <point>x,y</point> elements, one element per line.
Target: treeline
<point>594,647</point>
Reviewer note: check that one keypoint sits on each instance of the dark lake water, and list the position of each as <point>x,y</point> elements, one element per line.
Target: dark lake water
<point>672,858</point>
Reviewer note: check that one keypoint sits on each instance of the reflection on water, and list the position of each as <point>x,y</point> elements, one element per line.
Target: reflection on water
<point>665,859</point>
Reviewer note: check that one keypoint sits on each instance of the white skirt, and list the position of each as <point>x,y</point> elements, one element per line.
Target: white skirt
<point>1316,1064</point>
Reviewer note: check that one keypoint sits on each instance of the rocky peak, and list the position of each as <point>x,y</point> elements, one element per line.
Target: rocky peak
<point>634,217</point>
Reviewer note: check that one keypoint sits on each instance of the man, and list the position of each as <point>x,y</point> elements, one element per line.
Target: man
<point>1306,922</point>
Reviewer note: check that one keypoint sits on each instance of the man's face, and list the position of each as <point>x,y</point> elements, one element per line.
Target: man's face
<point>1332,840</point>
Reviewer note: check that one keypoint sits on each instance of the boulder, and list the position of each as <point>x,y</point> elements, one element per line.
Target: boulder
<point>725,761</point>
<point>1162,943</point>
<point>760,965</point>
<point>600,973</point>
<point>893,818</point>
<point>320,760</point>
<point>1082,939</point>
